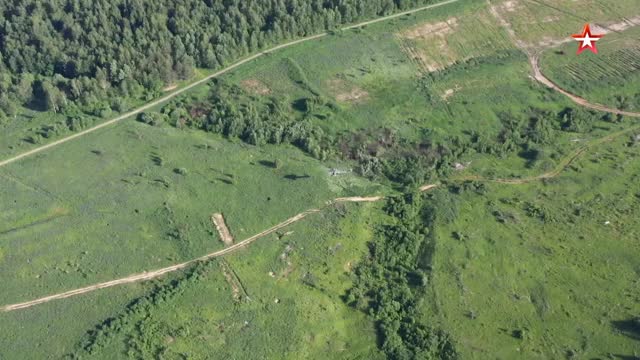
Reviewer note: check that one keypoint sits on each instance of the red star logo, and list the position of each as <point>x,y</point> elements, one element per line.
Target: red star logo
<point>587,40</point>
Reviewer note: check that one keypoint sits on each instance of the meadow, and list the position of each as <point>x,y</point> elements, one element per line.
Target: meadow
<point>546,269</point>
<point>288,307</point>
<point>544,23</point>
<point>611,77</point>
<point>514,270</point>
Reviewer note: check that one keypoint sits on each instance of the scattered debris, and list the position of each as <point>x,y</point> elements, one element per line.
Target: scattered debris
<point>336,172</point>
<point>459,166</point>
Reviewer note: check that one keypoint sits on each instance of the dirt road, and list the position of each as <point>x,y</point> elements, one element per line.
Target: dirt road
<point>156,273</point>
<point>539,76</point>
<point>533,53</point>
<point>209,77</point>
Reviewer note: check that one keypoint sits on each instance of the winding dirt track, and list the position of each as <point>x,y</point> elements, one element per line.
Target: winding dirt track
<point>533,55</point>
<point>539,76</point>
<point>153,274</point>
<point>533,58</point>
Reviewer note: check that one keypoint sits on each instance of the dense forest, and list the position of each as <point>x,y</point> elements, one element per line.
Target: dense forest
<point>95,54</point>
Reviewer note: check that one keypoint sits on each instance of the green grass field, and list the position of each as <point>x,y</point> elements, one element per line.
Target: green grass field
<point>129,210</point>
<point>525,271</point>
<point>610,78</point>
<point>289,305</point>
<point>555,261</point>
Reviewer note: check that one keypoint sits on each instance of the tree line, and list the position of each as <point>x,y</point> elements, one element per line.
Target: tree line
<point>230,111</point>
<point>94,54</point>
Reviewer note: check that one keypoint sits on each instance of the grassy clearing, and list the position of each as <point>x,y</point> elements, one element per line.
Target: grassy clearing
<point>471,33</point>
<point>610,78</point>
<point>144,198</point>
<point>144,205</point>
<point>52,330</point>
<point>290,308</point>
<point>544,270</point>
<point>544,22</point>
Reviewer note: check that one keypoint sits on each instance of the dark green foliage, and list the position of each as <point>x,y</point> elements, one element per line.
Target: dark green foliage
<point>149,339</point>
<point>152,119</point>
<point>391,280</point>
<point>232,112</point>
<point>579,119</point>
<point>83,50</point>
<point>382,153</point>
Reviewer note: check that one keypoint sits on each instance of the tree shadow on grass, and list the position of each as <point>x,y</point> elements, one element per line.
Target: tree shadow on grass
<point>296,177</point>
<point>267,163</point>
<point>626,357</point>
<point>629,327</point>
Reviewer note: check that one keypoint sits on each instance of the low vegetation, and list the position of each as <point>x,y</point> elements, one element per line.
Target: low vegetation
<point>476,267</point>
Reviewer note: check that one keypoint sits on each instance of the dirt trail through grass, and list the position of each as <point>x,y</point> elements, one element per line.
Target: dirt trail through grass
<point>244,243</point>
<point>539,76</point>
<point>565,163</point>
<point>209,77</point>
<point>533,57</point>
<point>156,273</point>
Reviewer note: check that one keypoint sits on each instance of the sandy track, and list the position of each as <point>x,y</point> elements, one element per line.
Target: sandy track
<point>359,199</point>
<point>533,55</point>
<point>202,81</point>
<point>156,273</point>
<point>539,76</point>
<point>223,230</point>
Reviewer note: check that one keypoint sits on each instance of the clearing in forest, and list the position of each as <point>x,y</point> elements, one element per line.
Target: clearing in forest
<point>435,45</point>
<point>546,23</point>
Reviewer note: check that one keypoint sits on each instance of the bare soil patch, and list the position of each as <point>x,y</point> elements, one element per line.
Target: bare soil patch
<point>431,30</point>
<point>255,87</point>
<point>223,230</point>
<point>434,33</point>
<point>347,92</point>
